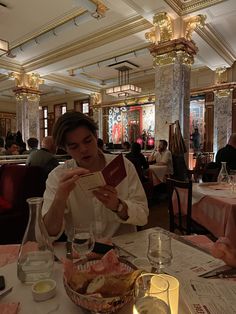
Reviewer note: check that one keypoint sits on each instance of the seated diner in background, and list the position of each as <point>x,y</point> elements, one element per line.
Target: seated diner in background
<point>162,157</point>
<point>66,205</point>
<point>45,156</point>
<point>11,148</point>
<point>139,161</point>
<point>228,153</point>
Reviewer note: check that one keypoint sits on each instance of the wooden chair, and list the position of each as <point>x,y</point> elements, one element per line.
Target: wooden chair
<point>181,218</point>
<point>17,183</point>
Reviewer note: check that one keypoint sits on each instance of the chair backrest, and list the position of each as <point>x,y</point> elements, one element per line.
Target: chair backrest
<point>180,168</point>
<point>19,182</point>
<point>180,205</point>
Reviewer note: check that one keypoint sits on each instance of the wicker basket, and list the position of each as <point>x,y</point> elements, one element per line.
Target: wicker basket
<point>101,305</point>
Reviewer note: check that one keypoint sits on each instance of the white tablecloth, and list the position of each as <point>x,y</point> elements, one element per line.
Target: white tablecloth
<point>158,173</point>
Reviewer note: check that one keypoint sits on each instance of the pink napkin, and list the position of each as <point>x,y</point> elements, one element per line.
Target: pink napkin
<point>200,241</point>
<point>8,254</point>
<point>9,308</point>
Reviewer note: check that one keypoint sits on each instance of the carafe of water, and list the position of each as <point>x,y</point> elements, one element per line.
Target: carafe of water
<point>36,258</point>
<point>223,176</point>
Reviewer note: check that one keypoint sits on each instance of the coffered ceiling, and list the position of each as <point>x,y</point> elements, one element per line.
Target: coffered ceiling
<point>72,47</point>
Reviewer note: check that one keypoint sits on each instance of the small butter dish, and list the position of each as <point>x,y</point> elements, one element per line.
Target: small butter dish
<point>44,289</point>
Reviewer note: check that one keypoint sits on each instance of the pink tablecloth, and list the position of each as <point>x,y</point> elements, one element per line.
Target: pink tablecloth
<point>216,212</point>
<point>8,254</point>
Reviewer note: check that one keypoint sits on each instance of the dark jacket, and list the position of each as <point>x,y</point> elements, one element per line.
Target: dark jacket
<point>227,154</point>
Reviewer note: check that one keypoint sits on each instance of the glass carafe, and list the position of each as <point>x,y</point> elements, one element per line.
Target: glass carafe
<point>36,258</point>
<point>223,177</point>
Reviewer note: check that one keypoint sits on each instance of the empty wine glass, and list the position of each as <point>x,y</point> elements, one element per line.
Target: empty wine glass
<point>83,240</point>
<point>151,294</point>
<point>159,249</point>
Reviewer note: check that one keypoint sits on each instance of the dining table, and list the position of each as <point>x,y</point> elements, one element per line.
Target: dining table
<point>157,173</point>
<point>214,207</point>
<point>189,261</point>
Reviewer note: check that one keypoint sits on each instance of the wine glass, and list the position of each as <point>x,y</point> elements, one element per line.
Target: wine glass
<point>159,249</point>
<point>151,294</point>
<point>83,240</point>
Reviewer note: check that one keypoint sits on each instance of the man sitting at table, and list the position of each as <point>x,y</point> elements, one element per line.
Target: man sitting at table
<point>162,157</point>
<point>228,153</point>
<point>66,205</point>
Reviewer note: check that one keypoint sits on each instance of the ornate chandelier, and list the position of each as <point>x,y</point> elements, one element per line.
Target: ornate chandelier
<point>124,88</point>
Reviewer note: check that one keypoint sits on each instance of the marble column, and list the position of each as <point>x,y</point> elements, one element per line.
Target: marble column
<point>172,90</point>
<point>95,103</point>
<point>27,116</point>
<point>222,118</point>
<point>27,103</point>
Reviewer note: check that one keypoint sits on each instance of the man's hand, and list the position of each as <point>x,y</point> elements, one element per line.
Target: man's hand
<point>108,196</point>
<point>68,182</point>
<point>224,250</point>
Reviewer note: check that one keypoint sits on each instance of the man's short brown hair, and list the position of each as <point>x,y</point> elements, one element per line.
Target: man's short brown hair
<point>68,122</point>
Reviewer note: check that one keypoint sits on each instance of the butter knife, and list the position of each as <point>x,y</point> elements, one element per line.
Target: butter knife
<point>69,250</point>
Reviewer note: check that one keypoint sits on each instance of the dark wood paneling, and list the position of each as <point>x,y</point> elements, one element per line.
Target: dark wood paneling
<point>209,127</point>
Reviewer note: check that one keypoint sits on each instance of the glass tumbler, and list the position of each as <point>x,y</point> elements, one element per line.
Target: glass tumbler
<point>159,249</point>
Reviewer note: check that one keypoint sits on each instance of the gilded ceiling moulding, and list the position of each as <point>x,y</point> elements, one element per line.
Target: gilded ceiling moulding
<point>183,8</point>
<point>71,82</point>
<point>48,27</point>
<point>111,34</point>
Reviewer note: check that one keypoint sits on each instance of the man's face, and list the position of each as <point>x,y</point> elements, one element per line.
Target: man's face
<point>161,147</point>
<point>81,145</point>
<point>14,148</point>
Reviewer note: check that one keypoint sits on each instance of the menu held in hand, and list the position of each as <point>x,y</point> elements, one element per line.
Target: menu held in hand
<point>112,175</point>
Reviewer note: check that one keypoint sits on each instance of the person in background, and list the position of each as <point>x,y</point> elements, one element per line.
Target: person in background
<point>32,143</point>
<point>44,157</point>
<point>139,161</point>
<point>195,138</point>
<point>100,144</point>
<point>2,148</point>
<point>224,250</point>
<point>162,157</point>
<point>126,146</point>
<point>228,153</point>
<point>66,204</point>
<point>11,148</point>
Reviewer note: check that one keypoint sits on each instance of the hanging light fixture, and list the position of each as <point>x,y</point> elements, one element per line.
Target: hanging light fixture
<point>4,45</point>
<point>124,88</point>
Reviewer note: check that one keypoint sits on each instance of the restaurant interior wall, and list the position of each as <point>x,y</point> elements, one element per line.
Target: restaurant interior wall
<point>132,123</point>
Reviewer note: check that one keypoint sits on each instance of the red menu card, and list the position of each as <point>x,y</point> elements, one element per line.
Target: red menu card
<point>112,175</point>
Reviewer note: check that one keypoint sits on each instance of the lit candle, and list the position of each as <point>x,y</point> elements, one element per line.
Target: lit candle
<point>173,291</point>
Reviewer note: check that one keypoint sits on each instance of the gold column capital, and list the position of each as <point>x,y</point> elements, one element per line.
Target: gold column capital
<point>162,30</point>
<point>220,75</point>
<point>192,23</point>
<point>176,49</point>
<point>96,100</point>
<point>27,85</point>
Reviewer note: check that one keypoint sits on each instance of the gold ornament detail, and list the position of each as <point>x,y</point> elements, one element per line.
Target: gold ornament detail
<point>96,99</point>
<point>31,81</point>
<point>164,24</point>
<point>27,86</point>
<point>192,24</point>
<point>162,30</point>
<point>172,57</point>
<point>221,75</point>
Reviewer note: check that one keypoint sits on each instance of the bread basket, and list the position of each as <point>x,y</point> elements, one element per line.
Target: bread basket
<point>101,305</point>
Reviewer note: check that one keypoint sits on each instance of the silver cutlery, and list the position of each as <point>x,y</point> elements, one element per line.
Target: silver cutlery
<point>6,292</point>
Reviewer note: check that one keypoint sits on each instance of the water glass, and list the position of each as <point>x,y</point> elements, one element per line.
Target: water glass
<point>159,249</point>
<point>151,294</point>
<point>83,240</point>
<point>232,180</point>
